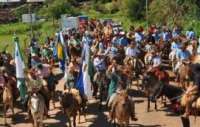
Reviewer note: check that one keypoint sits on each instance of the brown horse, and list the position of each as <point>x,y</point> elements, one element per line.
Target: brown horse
<point>7,99</point>
<point>122,109</point>
<point>72,102</point>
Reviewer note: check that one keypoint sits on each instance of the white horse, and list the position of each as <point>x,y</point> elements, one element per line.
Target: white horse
<point>37,108</point>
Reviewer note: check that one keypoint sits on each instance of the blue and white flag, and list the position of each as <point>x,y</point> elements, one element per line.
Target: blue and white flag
<point>83,83</point>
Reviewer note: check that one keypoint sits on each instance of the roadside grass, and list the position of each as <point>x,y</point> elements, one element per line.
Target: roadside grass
<point>44,29</point>
<point>7,31</point>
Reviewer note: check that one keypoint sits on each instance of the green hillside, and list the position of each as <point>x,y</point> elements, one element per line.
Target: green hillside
<point>184,13</point>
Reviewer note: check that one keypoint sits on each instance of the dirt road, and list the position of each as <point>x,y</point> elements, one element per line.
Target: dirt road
<point>96,118</point>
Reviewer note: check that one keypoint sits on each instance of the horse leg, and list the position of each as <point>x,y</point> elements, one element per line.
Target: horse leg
<point>185,121</point>
<point>79,116</point>
<point>53,99</point>
<point>127,123</point>
<point>84,113</point>
<point>148,104</point>
<point>164,101</point>
<point>35,123</point>
<point>74,120</point>
<point>69,120</point>
<point>138,85</point>
<point>156,106</point>
<point>12,108</point>
<point>101,98</point>
<point>41,121</point>
<point>5,110</point>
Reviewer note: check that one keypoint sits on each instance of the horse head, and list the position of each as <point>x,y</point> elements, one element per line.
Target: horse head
<point>34,102</point>
<point>124,98</point>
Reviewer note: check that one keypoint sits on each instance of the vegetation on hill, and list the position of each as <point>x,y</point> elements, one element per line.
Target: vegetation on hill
<point>184,13</point>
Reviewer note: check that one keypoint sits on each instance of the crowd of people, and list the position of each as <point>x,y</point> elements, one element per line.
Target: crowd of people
<point>100,61</point>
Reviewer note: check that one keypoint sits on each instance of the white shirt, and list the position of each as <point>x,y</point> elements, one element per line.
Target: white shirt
<point>99,63</point>
<point>132,51</point>
<point>157,61</point>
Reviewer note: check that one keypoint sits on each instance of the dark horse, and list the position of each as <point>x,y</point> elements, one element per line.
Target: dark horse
<point>156,89</point>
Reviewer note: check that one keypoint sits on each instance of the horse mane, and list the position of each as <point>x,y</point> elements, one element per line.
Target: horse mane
<point>195,68</point>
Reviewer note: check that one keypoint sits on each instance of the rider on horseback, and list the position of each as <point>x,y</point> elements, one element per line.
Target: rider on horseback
<point>183,57</point>
<point>100,67</point>
<point>157,70</point>
<point>192,92</point>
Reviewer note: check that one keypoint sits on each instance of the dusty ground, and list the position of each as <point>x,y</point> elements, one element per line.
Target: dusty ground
<point>96,118</point>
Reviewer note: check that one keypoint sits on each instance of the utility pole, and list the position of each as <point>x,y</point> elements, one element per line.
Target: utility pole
<point>147,15</point>
<point>31,22</point>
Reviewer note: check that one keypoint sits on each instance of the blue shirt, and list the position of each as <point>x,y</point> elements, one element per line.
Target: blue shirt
<point>138,37</point>
<point>123,41</point>
<point>183,55</point>
<point>156,36</point>
<point>190,34</point>
<point>175,46</point>
<point>166,36</point>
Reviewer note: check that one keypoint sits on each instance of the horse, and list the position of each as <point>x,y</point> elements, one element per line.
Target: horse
<point>135,65</point>
<point>72,103</point>
<point>52,80</point>
<point>122,108</point>
<point>193,89</point>
<point>37,107</point>
<point>155,89</point>
<point>7,99</point>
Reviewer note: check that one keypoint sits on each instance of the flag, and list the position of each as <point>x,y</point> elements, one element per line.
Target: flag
<point>60,53</point>
<point>20,66</point>
<point>65,52</point>
<point>63,43</point>
<point>79,82</point>
<point>83,83</point>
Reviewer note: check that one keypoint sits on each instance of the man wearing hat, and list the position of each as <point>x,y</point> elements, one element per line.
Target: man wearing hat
<point>183,56</point>
<point>72,71</point>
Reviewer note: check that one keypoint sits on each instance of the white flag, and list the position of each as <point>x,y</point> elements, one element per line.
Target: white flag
<point>20,66</point>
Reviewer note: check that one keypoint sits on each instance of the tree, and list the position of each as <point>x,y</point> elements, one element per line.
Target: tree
<point>55,8</point>
<point>133,8</point>
<point>172,11</point>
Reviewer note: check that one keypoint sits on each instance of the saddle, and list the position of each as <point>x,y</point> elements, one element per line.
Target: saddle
<point>161,75</point>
